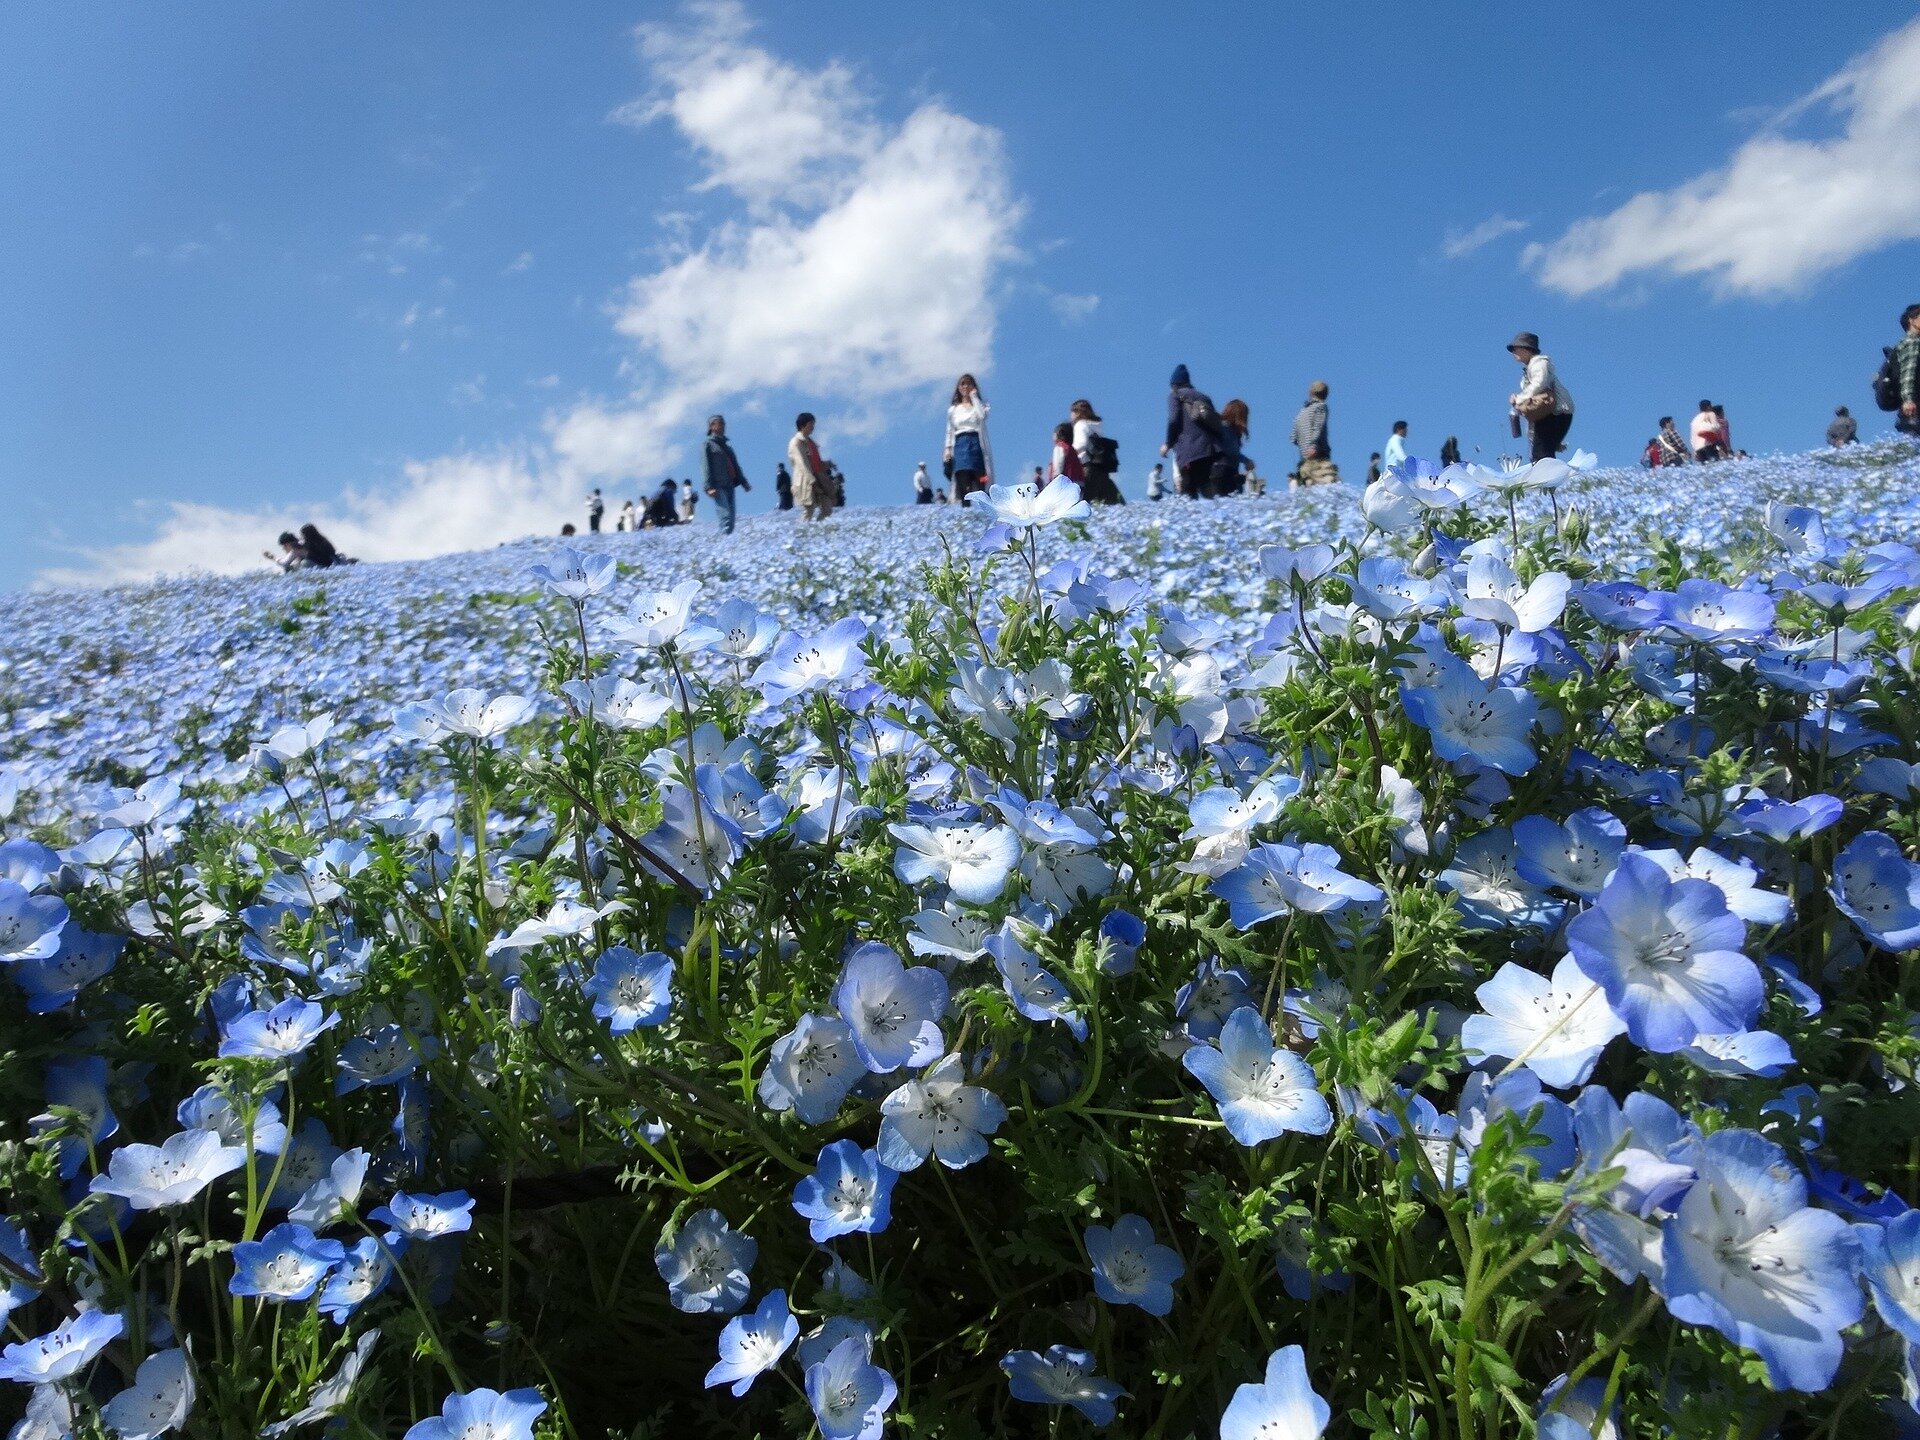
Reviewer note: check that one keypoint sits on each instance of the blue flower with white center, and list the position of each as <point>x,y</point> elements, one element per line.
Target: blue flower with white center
<point>1569,1414</point>
<point>938,1114</point>
<point>287,1263</point>
<point>1667,954</point>
<point>483,1415</point>
<point>1737,879</point>
<point>705,1265</point>
<point>1750,1052</point>
<point>159,1399</point>
<point>656,618</point>
<point>282,1033</point>
<point>1745,1255</point>
<point>1890,1259</point>
<point>752,1344</point>
<point>1062,1376</point>
<point>811,1069</point>
<point>1036,993</point>
<point>849,1193</point>
<point>17,1249</point>
<point>630,989</point>
<point>892,1012</point>
<point>1490,891</point>
<point>800,664</point>
<point>1492,591</point>
<point>384,1056</point>
<point>973,861</point>
<point>1707,612</point>
<point>79,1085</point>
<point>1878,888</point>
<point>850,1395</point>
<point>1122,934</point>
<point>1786,821</point>
<point>1470,721</point>
<point>55,981</point>
<point>1027,506</point>
<point>1284,1407</point>
<point>154,1177</point>
<point>365,1270</point>
<point>1546,1121</point>
<point>1263,1091</point>
<point>1215,992</point>
<point>617,702</point>
<point>737,796</point>
<point>1129,1268</point>
<point>424,1217</point>
<point>1556,1028</point>
<point>30,924</point>
<point>305,1158</point>
<point>1385,588</point>
<point>738,630</point>
<point>576,574</point>
<point>1576,855</point>
<point>1280,879</point>
<point>327,1200</point>
<point>63,1351</point>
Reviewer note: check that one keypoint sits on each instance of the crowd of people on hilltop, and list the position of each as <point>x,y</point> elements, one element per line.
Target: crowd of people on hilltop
<point>1203,453</point>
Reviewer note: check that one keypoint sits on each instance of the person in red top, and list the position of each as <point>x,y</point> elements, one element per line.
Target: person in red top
<point>1066,460</point>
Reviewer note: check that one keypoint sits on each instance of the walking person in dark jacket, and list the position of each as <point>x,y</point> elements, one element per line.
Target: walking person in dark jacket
<point>723,472</point>
<point>1193,434</point>
<point>783,488</point>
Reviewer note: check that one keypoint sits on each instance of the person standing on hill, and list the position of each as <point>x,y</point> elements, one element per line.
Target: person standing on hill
<point>1843,431</point>
<point>596,507</point>
<point>1396,452</point>
<point>782,488</point>
<point>1450,452</point>
<point>1673,446</point>
<point>1157,483</point>
<point>1542,401</point>
<point>1312,439</point>
<point>812,486</point>
<point>1373,467</point>
<point>1704,430</point>
<point>1906,372</point>
<point>1235,425</point>
<point>922,485</point>
<point>1099,456</point>
<point>1193,434</point>
<point>968,454</point>
<point>724,474</point>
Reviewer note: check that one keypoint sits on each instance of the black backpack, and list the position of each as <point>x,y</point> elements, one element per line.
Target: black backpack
<point>1886,383</point>
<point>1198,408</point>
<point>1104,455</point>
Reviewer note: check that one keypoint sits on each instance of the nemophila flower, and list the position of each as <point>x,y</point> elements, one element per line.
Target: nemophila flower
<point>1129,1268</point>
<point>1545,1120</point>
<point>693,838</point>
<point>22,1266</point>
<point>1490,892</point>
<point>1121,935</point>
<point>465,712</point>
<point>1738,881</point>
<point>79,1085</point>
<point>153,1177</point>
<point>331,1395</point>
<point>938,1114</point>
<point>1570,1413</point>
<point>1556,1028</point>
<point>1800,531</point>
<point>1263,1091</point>
<point>1493,592</point>
<point>892,1012</point>
<point>850,1395</point>
<point>736,794</point>
<point>280,1034</point>
<point>327,1200</point>
<point>629,989</point>
<point>1222,822</point>
<point>28,863</point>
<point>987,693</point>
<point>1284,1407</point>
<point>850,1192</point>
<point>1389,505</point>
<point>618,703</point>
<point>55,981</point>
<point>563,921</point>
<point>1030,506</point>
<point>384,1056</point>
<point>738,629</point>
<point>291,743</point>
<point>1434,488</point>
<point>483,1415</point>
<point>1878,889</point>
<point>705,1265</point>
<point>63,1351</point>
<point>824,806</point>
<point>1476,723</point>
<point>1062,1376</point>
<point>1062,875</point>
<point>811,1069</point>
<point>1751,1052</point>
<point>1035,991</point>
<point>576,574</point>
<point>799,665</point>
<point>1707,612</point>
<point>30,924</point>
<point>159,1399</point>
<point>365,1270</point>
<point>1576,855</point>
<point>287,1263</point>
<point>973,861</point>
<point>153,806</point>
<point>655,619</point>
<point>956,934</point>
<point>1786,821</point>
<point>1745,1255</point>
<point>305,1159</point>
<point>1278,879</point>
<point>1384,587</point>
<point>1890,1260</point>
<point>1295,567</point>
<point>1667,954</point>
<point>1215,992</point>
<point>424,1217</point>
<point>752,1344</point>
<point>1435,1136</point>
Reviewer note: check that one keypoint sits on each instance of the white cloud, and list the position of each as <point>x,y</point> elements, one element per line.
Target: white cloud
<point>1460,243</point>
<point>469,392</point>
<point>396,254</point>
<point>522,261</point>
<point>457,502</point>
<point>1074,308</point>
<point>1783,211</point>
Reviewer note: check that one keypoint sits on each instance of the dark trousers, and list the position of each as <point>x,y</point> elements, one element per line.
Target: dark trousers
<point>1549,433</point>
<point>965,483</point>
<point>593,521</point>
<point>1197,479</point>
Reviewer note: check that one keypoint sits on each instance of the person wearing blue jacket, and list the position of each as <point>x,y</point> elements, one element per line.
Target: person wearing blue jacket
<point>723,472</point>
<point>1193,434</point>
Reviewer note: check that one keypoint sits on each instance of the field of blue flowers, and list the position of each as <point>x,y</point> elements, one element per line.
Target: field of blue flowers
<point>1439,961</point>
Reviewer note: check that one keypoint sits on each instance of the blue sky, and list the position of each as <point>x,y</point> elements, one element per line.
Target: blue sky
<point>426,272</point>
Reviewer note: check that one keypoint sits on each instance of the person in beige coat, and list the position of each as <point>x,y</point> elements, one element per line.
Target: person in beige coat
<point>812,490</point>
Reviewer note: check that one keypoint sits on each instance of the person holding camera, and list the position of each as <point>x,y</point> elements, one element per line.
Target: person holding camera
<point>1541,401</point>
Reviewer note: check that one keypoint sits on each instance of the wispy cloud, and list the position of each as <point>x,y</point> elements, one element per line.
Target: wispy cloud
<point>1072,309</point>
<point>522,261</point>
<point>1782,211</point>
<point>397,254</point>
<point>1459,244</point>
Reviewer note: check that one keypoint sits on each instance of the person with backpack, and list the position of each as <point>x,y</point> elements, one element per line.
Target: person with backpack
<point>1311,438</point>
<point>1193,433</point>
<point>1542,401</point>
<point>1673,448</point>
<point>319,550</point>
<point>1897,387</point>
<point>1843,431</point>
<point>968,453</point>
<point>1099,456</point>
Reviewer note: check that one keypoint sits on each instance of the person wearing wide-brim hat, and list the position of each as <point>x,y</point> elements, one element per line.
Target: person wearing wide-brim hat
<point>1542,401</point>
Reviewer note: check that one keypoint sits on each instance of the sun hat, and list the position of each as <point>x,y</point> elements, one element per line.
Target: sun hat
<point>1525,340</point>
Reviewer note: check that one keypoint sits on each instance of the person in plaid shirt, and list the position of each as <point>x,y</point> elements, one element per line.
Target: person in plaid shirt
<point>1906,367</point>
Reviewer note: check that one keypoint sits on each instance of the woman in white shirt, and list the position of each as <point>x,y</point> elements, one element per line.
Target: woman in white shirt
<point>1097,476</point>
<point>969,454</point>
